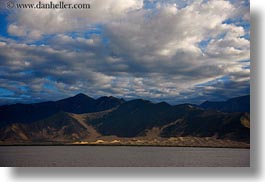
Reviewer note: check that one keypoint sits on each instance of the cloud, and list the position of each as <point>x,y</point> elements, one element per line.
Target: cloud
<point>173,35</point>
<point>51,21</point>
<point>15,30</point>
<point>185,52</point>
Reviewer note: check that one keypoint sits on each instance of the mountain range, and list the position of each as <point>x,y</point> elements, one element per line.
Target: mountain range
<point>237,104</point>
<point>80,103</point>
<point>82,118</point>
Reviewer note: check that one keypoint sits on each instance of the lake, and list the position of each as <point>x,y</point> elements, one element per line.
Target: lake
<point>122,156</point>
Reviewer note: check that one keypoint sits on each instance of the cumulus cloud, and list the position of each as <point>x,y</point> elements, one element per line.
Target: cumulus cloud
<point>177,51</point>
<point>51,21</point>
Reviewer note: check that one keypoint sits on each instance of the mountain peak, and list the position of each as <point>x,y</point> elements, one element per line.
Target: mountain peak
<point>78,98</point>
<point>81,95</point>
<point>108,98</point>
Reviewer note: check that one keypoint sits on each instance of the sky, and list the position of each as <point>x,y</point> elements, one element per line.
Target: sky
<point>178,51</point>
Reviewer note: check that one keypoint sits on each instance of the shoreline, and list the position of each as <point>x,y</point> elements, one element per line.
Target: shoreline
<point>121,145</point>
<point>207,142</point>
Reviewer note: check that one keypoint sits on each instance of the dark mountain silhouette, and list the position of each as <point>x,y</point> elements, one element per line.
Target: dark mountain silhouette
<point>78,104</point>
<point>135,117</point>
<point>27,113</point>
<point>238,104</point>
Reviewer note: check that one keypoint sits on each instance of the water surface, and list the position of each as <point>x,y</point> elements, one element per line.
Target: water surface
<point>122,156</point>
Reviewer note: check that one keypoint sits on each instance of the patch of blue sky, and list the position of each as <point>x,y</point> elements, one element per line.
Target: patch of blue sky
<point>246,64</point>
<point>203,44</point>
<point>148,4</point>
<point>24,96</point>
<point>247,67</point>
<point>93,30</point>
<point>50,78</point>
<point>105,40</point>
<point>220,36</point>
<point>247,36</point>
<point>24,88</point>
<point>87,34</point>
<point>3,25</point>
<point>152,4</point>
<point>9,98</point>
<point>5,92</point>
<point>43,41</point>
<point>50,86</point>
<point>28,72</point>
<point>246,90</point>
<point>238,22</point>
<point>242,23</point>
<point>223,79</point>
<point>243,2</point>
<point>97,29</point>
<point>245,61</point>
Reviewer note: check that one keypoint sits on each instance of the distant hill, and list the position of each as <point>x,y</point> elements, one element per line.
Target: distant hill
<point>238,104</point>
<point>27,113</point>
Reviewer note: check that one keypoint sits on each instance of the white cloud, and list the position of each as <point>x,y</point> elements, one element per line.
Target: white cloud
<point>16,30</point>
<point>52,21</point>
